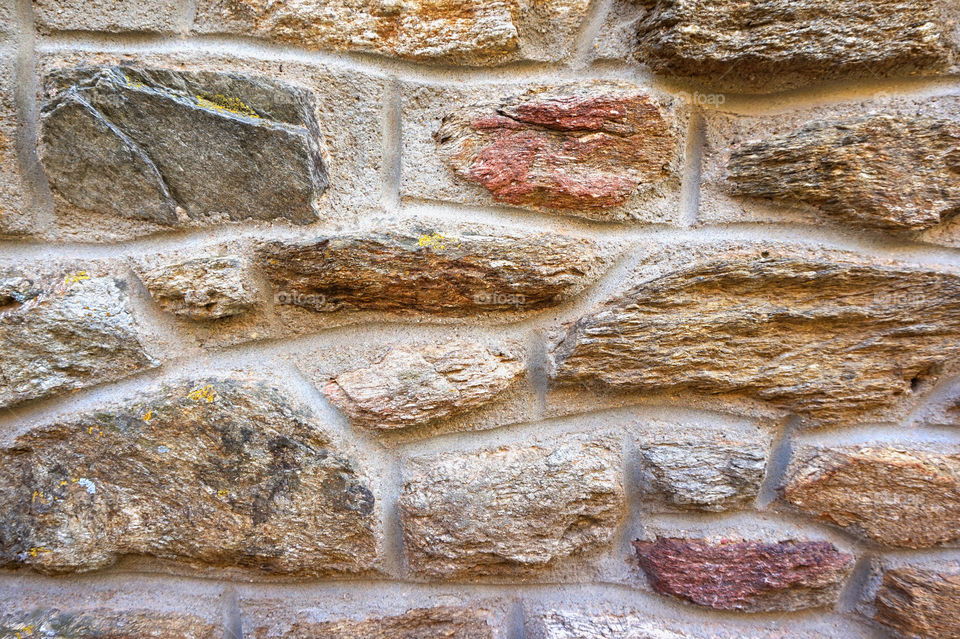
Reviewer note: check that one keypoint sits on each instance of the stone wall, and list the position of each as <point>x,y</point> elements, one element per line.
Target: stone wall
<point>503,319</point>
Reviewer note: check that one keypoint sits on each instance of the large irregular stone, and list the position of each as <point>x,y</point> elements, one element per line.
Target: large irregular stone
<point>455,272</point>
<point>483,32</point>
<point>919,603</point>
<point>77,333</point>
<point>442,622</point>
<point>106,145</point>
<point>894,495</point>
<point>510,510</point>
<point>581,148</point>
<point>219,473</point>
<point>414,385</point>
<point>104,624</point>
<point>746,576</point>
<point>107,15</point>
<point>203,288</point>
<point>824,334</point>
<point>770,45</point>
<point>847,167</point>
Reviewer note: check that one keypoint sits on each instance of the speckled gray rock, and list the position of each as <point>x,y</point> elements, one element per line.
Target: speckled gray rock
<point>203,288</point>
<point>15,218</point>
<point>510,510</point>
<point>770,45</point>
<point>107,15</point>
<point>221,472</point>
<point>77,333</point>
<point>106,145</point>
<point>827,335</point>
<point>441,622</point>
<point>884,172</point>
<point>414,385</point>
<point>65,623</point>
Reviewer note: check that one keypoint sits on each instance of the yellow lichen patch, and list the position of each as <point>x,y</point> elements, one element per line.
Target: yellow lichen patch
<point>224,104</point>
<point>26,631</point>
<point>202,393</point>
<point>131,83</point>
<point>436,241</point>
<point>148,416</point>
<point>95,430</point>
<point>38,550</point>
<point>73,278</point>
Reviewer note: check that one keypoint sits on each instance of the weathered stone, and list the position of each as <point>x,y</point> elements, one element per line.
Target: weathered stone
<point>15,218</point>
<point>202,288</point>
<point>106,145</point>
<point>703,475</point>
<point>104,624</point>
<point>456,272</point>
<point>747,576</point>
<point>484,32</point>
<point>919,603</point>
<point>580,148</point>
<point>772,45</point>
<point>107,15</point>
<point>894,495</point>
<point>16,289</point>
<point>510,510</point>
<point>414,385</point>
<point>846,168</point>
<point>442,622</point>
<point>824,334</point>
<point>75,334</point>
<point>220,473</point>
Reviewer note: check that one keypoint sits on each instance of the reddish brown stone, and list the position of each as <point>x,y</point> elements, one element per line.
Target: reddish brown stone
<point>585,148</point>
<point>749,576</point>
<point>920,603</point>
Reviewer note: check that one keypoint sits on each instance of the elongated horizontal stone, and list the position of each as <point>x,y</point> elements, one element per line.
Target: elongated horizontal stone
<point>510,510</point>
<point>106,145</point>
<point>483,32</point>
<point>73,334</point>
<point>219,473</point>
<point>203,288</point>
<point>746,576</point>
<point>772,45</point>
<point>106,624</point>
<point>442,622</point>
<point>826,335</point>
<point>447,272</point>
<point>846,167</point>
<point>919,602</point>
<point>107,15</point>
<point>895,495</point>
<point>580,148</point>
<point>414,385</point>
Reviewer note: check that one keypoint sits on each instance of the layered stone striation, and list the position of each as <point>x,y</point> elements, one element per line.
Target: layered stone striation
<point>441,622</point>
<point>919,602</point>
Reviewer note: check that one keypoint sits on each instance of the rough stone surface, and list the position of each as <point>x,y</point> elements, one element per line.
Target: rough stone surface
<point>415,385</point>
<point>919,603</point>
<point>746,576</point>
<point>76,333</point>
<point>510,510</point>
<point>104,624</point>
<point>772,45</point>
<point>219,473</point>
<point>822,334</point>
<point>442,622</point>
<point>14,218</point>
<point>894,495</point>
<point>581,148</point>
<point>107,15</point>
<point>484,32</point>
<point>882,172</point>
<point>106,148</point>
<point>203,288</point>
<point>446,272</point>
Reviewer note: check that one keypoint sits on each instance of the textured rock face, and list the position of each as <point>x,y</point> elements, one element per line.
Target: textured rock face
<point>221,473</point>
<point>443,622</point>
<point>770,44</point>
<point>920,603</point>
<point>105,624</point>
<point>484,32</point>
<point>510,510</point>
<point>580,148</point>
<point>452,272</point>
<point>76,334</point>
<point>415,385</point>
<point>573,625</point>
<point>106,147</point>
<point>15,218</point>
<point>846,168</point>
<point>895,496</point>
<point>202,289</point>
<point>107,15</point>
<point>746,576</point>
<point>824,335</point>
